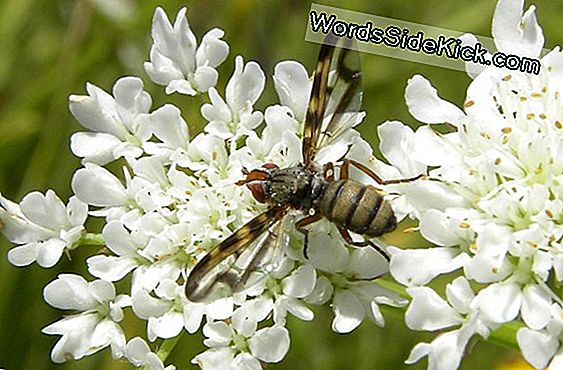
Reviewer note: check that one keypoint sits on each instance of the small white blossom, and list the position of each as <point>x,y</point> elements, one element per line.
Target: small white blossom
<point>96,327</point>
<point>240,345</point>
<point>428,311</point>
<point>139,354</point>
<point>119,124</point>
<point>42,226</point>
<point>235,116</point>
<point>492,203</point>
<point>176,60</point>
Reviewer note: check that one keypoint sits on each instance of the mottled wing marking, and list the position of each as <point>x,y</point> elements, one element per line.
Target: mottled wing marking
<point>317,103</point>
<point>231,262</point>
<point>336,96</point>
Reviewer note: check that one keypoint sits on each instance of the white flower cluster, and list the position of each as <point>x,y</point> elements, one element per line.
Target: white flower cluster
<point>176,200</point>
<point>495,212</point>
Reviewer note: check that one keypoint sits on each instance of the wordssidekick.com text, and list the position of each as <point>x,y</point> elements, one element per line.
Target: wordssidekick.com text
<point>403,38</point>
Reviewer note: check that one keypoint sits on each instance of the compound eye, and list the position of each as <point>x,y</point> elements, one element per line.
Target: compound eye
<point>257,192</point>
<point>270,166</point>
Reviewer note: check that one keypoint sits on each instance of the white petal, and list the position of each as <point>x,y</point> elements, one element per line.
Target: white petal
<point>97,186</point>
<point>181,86</point>
<point>535,307</point>
<point>348,312</point>
<point>169,126</point>
<point>214,359</point>
<point>326,254</point>
<point>50,252</point>
<point>212,50</point>
<point>45,210</point>
<point>168,325</point>
<point>77,211</point>
<point>220,309</point>
<point>193,315</point>
<point>245,361</point>
<point>322,292</point>
<point>444,353</point>
<point>270,344</point>
<point>293,86</point>
<point>24,254</point>
<point>299,309</point>
<point>425,195</point>
<point>428,311</point>
<point>426,106</point>
<point>205,78</point>
<point>367,263</point>
<point>136,351</point>
<point>300,283</point>
<point>554,65</point>
<point>460,295</point>
<point>146,306</point>
<point>97,112</point>
<point>396,145</point>
<point>110,268</point>
<point>246,85</point>
<point>16,227</point>
<point>68,292</point>
<point>537,348</point>
<point>94,147</point>
<point>500,302</point>
<point>119,240</point>
<point>557,361</point>
<point>515,33</point>
<point>218,333</point>
<point>439,228</point>
<point>430,263</point>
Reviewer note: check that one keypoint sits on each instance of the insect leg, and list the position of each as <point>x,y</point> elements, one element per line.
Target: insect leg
<point>373,175</point>
<point>348,238</point>
<point>300,226</point>
<point>344,169</point>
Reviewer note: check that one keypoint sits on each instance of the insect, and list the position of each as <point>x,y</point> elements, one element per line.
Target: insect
<point>309,187</point>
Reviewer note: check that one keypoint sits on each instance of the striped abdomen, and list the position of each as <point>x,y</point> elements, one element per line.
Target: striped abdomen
<point>359,208</point>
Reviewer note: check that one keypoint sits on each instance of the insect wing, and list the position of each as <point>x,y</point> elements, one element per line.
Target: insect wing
<point>231,261</point>
<point>336,96</point>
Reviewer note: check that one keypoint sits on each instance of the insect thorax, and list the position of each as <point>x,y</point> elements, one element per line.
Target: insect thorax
<point>296,186</point>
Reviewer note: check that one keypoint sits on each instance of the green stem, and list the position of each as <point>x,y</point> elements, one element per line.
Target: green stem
<point>92,239</point>
<point>167,347</point>
<point>505,335</point>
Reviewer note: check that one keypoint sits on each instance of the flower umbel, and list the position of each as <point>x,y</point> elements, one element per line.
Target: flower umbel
<point>498,175</point>
<point>175,200</point>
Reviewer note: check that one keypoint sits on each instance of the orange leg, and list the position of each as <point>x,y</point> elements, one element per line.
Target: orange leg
<point>348,238</point>
<point>372,174</point>
<point>300,226</point>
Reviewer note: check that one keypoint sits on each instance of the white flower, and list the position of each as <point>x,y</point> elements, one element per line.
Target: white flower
<point>346,275</point>
<point>428,311</point>
<point>119,124</point>
<point>492,203</point>
<point>235,117</point>
<point>96,327</point>
<point>240,345</point>
<point>168,311</point>
<point>542,347</point>
<point>139,354</point>
<point>42,226</point>
<point>177,62</point>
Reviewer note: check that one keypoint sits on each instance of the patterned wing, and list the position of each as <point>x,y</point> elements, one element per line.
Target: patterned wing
<point>248,249</point>
<point>336,96</point>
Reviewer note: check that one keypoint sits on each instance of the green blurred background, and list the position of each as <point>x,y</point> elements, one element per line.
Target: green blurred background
<point>49,49</point>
